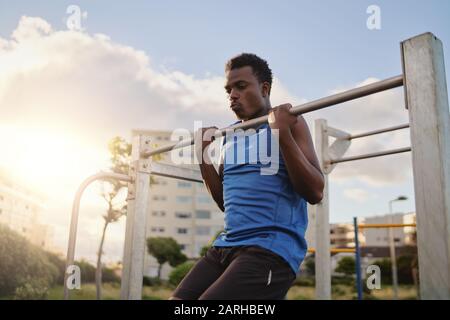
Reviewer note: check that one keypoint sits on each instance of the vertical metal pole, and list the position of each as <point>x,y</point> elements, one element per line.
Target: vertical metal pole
<point>135,234</point>
<point>322,238</point>
<point>393,256</point>
<point>427,101</point>
<point>357,259</point>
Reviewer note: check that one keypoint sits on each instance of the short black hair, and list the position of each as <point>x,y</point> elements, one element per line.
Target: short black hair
<point>260,66</point>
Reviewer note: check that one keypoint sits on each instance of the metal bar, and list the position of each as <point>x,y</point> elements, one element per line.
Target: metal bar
<point>335,250</point>
<point>318,104</point>
<point>371,155</point>
<point>357,259</point>
<point>75,213</point>
<point>370,133</point>
<point>172,171</point>
<point>386,225</point>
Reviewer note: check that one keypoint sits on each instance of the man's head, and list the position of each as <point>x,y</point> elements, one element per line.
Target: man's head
<point>248,84</point>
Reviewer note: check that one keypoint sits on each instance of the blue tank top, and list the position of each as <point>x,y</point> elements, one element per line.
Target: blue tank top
<point>261,209</point>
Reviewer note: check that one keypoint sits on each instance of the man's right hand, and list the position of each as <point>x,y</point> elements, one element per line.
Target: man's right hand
<point>202,139</point>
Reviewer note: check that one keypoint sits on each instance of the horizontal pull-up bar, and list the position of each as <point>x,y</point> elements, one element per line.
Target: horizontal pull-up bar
<point>371,155</point>
<point>172,171</point>
<point>322,103</point>
<point>335,250</point>
<point>385,225</point>
<point>370,133</point>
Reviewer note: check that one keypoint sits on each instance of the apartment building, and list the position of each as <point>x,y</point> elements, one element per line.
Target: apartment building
<point>405,236</point>
<point>20,209</point>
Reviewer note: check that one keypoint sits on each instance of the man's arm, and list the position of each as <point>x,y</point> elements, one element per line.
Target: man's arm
<point>212,179</point>
<point>298,153</point>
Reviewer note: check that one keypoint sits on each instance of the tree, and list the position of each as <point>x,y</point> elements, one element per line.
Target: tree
<point>165,249</point>
<point>346,266</point>
<point>120,155</point>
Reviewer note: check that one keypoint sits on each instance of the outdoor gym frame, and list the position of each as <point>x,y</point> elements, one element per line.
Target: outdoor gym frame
<point>426,99</point>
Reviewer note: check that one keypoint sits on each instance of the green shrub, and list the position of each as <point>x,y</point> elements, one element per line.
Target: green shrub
<point>32,289</point>
<point>21,261</point>
<point>152,281</point>
<point>179,272</point>
<point>344,279</point>
<point>304,281</point>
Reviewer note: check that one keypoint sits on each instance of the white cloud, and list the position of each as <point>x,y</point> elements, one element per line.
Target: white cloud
<point>357,194</point>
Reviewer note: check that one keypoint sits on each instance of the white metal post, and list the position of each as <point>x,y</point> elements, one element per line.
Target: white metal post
<point>135,234</point>
<point>322,238</point>
<point>393,255</point>
<point>427,101</point>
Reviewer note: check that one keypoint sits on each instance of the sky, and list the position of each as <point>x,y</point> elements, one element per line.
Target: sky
<point>159,65</point>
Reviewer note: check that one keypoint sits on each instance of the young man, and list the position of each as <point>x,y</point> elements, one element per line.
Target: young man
<point>263,245</point>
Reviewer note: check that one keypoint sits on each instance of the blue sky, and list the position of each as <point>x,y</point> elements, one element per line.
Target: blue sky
<point>312,48</point>
<point>311,45</point>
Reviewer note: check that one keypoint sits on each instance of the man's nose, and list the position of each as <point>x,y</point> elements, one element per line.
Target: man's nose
<point>234,95</point>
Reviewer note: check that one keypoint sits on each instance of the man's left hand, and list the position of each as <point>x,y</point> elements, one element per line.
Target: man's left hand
<point>280,118</point>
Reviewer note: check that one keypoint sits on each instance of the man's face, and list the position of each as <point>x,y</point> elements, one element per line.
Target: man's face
<point>244,92</point>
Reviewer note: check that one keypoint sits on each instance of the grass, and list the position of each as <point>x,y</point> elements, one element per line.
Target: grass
<point>346,292</point>
<point>110,291</point>
<point>339,292</point>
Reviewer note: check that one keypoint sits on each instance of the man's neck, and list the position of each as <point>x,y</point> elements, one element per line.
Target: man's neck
<point>264,111</point>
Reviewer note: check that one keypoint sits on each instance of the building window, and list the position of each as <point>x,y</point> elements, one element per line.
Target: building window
<point>156,181</point>
<point>157,229</point>
<point>184,184</point>
<point>203,214</point>
<point>201,198</point>
<point>159,198</point>
<point>158,213</point>
<point>182,230</point>
<point>183,215</point>
<point>203,230</point>
<point>184,199</point>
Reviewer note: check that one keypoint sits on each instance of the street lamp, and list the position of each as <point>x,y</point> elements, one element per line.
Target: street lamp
<point>392,247</point>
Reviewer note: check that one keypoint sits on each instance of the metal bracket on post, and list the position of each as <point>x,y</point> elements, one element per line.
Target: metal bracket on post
<point>337,149</point>
<point>141,165</point>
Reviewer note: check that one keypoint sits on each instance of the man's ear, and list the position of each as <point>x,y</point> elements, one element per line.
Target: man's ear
<point>265,89</point>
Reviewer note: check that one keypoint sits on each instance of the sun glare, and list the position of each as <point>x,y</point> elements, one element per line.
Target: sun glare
<point>46,160</point>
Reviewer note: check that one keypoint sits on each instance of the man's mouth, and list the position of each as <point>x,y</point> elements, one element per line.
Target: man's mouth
<point>235,106</point>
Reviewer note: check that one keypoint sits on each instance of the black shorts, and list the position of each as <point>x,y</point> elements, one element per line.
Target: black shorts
<point>241,272</point>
